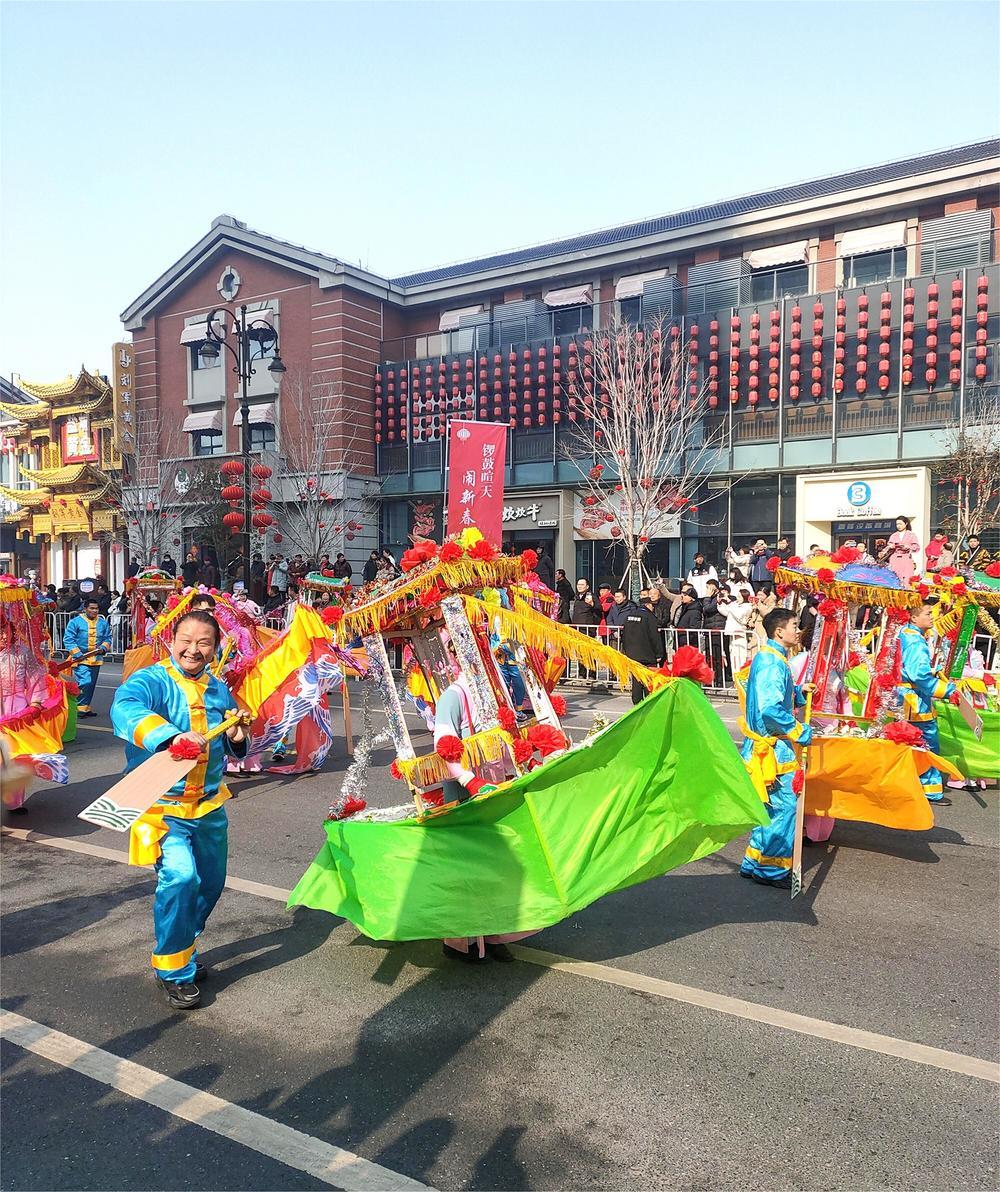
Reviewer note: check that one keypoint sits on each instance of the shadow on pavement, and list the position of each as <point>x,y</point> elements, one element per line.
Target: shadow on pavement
<point>36,926</point>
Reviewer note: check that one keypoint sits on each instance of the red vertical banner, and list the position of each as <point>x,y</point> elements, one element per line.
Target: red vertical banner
<point>477,454</point>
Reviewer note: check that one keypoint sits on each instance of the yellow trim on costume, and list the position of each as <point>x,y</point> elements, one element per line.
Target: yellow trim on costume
<point>149,829</point>
<point>793,734</point>
<point>935,788</point>
<point>193,691</point>
<point>922,717</point>
<point>173,960</point>
<point>768,648</point>
<point>941,689</point>
<point>762,765</point>
<point>145,726</point>
<point>755,854</point>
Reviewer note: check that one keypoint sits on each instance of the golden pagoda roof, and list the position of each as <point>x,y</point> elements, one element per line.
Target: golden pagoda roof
<point>26,412</point>
<point>65,474</point>
<point>84,384</point>
<point>27,498</point>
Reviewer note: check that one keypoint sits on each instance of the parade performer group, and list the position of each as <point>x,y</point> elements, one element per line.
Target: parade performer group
<point>185,835</point>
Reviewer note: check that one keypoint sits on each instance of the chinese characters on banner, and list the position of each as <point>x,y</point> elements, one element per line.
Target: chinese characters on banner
<point>123,396</point>
<point>476,458</point>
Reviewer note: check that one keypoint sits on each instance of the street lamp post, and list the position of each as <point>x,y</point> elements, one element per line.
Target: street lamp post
<point>258,328</point>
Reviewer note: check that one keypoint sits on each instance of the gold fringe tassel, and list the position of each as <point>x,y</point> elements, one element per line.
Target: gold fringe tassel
<point>525,624</point>
<point>870,594</point>
<point>987,622</point>
<point>490,745</point>
<point>163,623</point>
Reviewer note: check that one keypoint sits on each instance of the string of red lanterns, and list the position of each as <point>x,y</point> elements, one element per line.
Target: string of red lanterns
<point>795,355</point>
<point>754,382</point>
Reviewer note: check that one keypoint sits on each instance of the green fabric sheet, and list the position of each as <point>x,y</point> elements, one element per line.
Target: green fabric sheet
<point>662,786</point>
<point>976,759</point>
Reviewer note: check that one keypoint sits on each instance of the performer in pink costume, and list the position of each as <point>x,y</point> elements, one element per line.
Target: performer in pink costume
<point>901,551</point>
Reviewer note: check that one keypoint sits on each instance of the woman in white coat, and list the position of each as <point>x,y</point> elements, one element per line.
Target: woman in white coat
<point>738,612</point>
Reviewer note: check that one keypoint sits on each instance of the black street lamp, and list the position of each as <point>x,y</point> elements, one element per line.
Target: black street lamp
<point>257,328</point>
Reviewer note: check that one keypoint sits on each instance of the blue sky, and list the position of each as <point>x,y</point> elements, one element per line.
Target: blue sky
<point>409,135</point>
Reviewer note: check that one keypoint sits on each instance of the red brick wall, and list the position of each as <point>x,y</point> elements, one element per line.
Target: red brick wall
<point>826,262</point>
<point>328,337</point>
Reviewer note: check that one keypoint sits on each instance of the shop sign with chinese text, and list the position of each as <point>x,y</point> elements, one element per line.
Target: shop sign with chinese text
<point>476,458</point>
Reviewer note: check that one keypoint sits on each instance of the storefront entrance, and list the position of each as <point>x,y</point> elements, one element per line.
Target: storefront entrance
<point>870,532</point>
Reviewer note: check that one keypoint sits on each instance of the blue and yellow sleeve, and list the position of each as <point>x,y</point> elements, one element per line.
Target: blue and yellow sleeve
<point>133,717</point>
<point>71,637</point>
<point>104,633</point>
<point>916,660</point>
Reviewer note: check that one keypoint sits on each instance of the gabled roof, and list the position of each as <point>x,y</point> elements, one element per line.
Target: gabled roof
<point>229,233</point>
<point>728,208</point>
<point>84,384</point>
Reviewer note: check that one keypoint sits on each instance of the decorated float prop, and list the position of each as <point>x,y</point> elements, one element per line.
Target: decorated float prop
<point>317,582</point>
<point>866,760</point>
<point>554,825</point>
<point>34,697</point>
<point>147,647</point>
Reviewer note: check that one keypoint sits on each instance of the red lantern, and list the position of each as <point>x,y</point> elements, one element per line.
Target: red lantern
<point>232,492</point>
<point>232,467</point>
<point>234,521</point>
<point>261,496</point>
<point>261,520</point>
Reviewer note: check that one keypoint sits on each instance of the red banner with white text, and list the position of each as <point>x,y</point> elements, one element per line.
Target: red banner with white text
<point>476,457</point>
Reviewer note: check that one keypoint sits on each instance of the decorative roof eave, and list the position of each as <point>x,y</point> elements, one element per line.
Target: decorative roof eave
<point>68,474</point>
<point>26,413</point>
<point>82,385</point>
<point>26,498</point>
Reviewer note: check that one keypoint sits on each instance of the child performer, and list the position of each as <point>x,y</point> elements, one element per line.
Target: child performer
<point>184,835</point>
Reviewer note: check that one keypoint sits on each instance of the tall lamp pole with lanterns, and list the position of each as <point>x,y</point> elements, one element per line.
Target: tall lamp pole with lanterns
<point>257,328</point>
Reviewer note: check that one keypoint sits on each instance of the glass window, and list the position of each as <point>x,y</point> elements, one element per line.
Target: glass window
<point>206,442</point>
<point>261,436</point>
<point>768,285</point>
<point>754,503</point>
<point>869,268</point>
<point>262,349</point>
<point>568,320</point>
<point>197,363</point>
<point>630,311</point>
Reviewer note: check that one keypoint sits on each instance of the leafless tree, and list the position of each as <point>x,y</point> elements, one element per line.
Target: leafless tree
<point>640,441</point>
<point>158,491</point>
<point>317,514</point>
<point>972,468</point>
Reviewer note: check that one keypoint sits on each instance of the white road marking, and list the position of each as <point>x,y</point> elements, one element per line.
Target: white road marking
<point>818,1028</point>
<point>331,1164</point>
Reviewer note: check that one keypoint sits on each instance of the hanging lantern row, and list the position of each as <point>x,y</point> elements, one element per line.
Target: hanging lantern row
<point>552,384</point>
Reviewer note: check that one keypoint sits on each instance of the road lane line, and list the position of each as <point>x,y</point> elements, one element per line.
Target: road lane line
<point>734,1007</point>
<point>332,1164</point>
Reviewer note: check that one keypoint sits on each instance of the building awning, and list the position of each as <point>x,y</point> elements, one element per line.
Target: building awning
<point>258,414</point>
<point>206,420</point>
<point>873,239</point>
<point>257,320</point>
<point>631,287</point>
<point>195,333</point>
<point>779,254</point>
<point>450,319</point>
<point>572,296</point>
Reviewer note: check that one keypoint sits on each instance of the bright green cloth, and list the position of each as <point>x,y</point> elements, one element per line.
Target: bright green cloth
<point>70,734</point>
<point>976,759</point>
<point>662,786</point>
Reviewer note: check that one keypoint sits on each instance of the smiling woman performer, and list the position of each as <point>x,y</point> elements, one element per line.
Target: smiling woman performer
<point>184,834</point>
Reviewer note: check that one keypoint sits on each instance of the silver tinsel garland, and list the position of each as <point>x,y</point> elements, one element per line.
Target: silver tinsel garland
<point>356,777</point>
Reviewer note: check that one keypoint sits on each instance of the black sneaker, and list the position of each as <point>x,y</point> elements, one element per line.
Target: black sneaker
<point>201,971</point>
<point>179,996</point>
<point>781,883</point>
<point>944,801</point>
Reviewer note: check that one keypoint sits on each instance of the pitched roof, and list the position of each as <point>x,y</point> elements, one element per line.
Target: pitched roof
<point>71,386</point>
<point>728,208</point>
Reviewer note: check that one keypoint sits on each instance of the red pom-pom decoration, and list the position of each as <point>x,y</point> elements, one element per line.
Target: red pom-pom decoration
<point>522,750</point>
<point>794,561</point>
<point>507,719</point>
<point>558,705</point>
<point>183,751</point>
<point>331,614</point>
<point>530,559</point>
<point>902,733</point>
<point>546,739</point>
<point>689,663</point>
<point>482,551</point>
<point>449,749</point>
<point>825,575</point>
<point>993,571</point>
<point>451,552</point>
<point>773,564</point>
<point>829,608</point>
<point>395,771</point>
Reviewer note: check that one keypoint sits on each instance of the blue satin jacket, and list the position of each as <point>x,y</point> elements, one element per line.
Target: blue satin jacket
<point>82,636</point>
<point>920,685</point>
<point>771,697</point>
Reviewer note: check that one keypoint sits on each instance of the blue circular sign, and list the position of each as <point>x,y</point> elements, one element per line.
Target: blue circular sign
<point>859,493</point>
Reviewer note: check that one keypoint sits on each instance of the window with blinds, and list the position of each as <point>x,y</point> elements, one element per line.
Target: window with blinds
<point>956,241</point>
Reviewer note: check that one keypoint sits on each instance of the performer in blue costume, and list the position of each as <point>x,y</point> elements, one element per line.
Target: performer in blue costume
<point>919,688</point>
<point>770,729</point>
<point>86,632</point>
<point>184,834</point>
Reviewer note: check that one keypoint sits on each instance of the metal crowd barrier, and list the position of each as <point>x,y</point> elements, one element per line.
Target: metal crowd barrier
<point>121,631</point>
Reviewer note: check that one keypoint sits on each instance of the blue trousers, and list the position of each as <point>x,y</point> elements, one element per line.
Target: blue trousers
<point>931,780</point>
<point>190,876</point>
<point>769,853</point>
<point>86,679</point>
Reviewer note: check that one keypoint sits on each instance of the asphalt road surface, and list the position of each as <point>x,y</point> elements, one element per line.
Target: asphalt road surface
<point>697,1031</point>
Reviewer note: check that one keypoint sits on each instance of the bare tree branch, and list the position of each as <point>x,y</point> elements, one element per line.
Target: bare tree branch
<point>973,467</point>
<point>639,441</point>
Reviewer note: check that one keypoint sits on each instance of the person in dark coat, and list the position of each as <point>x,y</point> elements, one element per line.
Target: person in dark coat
<point>342,568</point>
<point>564,590</point>
<point>544,568</point>
<point>639,637</point>
<point>190,568</point>
<point>687,617</point>
<point>370,569</point>
<point>168,565</point>
<point>714,618</point>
